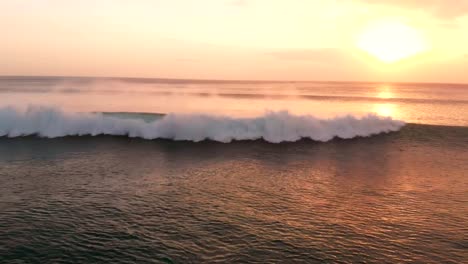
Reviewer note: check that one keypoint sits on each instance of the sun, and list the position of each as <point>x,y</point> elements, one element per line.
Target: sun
<point>391,41</point>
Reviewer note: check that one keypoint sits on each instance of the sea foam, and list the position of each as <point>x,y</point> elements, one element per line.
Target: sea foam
<point>273,127</point>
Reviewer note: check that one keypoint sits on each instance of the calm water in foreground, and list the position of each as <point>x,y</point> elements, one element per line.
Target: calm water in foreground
<point>393,198</point>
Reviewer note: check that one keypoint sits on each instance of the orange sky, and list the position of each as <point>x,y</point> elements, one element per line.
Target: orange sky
<point>232,39</point>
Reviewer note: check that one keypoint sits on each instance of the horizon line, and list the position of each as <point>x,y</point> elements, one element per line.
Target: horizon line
<point>224,80</point>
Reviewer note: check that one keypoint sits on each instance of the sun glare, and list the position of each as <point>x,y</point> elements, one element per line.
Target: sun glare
<point>385,92</point>
<point>391,41</point>
<point>384,109</point>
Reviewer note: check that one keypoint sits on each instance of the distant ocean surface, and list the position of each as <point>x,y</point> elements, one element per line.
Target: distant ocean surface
<point>122,170</point>
<point>441,104</point>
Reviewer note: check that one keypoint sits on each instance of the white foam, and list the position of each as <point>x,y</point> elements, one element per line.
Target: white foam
<point>272,126</point>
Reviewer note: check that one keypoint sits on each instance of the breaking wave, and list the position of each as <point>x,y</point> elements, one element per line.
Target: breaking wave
<point>273,127</point>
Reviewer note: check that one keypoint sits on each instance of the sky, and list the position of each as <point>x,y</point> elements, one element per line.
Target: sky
<point>238,39</point>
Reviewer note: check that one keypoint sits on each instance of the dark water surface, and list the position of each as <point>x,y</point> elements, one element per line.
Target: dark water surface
<point>396,198</point>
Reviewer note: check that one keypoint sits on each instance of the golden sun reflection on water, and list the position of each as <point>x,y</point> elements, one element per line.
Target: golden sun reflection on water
<point>385,92</point>
<point>385,110</point>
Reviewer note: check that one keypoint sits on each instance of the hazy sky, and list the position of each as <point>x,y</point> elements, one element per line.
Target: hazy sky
<point>233,39</point>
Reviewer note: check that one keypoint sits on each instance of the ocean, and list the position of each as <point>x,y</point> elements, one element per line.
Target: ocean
<point>121,170</point>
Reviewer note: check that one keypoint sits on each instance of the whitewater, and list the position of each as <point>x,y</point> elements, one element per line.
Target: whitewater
<point>274,127</point>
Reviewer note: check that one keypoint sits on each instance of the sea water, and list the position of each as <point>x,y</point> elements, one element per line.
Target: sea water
<point>232,172</point>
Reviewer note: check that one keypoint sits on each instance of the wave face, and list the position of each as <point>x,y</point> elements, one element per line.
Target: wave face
<point>273,127</point>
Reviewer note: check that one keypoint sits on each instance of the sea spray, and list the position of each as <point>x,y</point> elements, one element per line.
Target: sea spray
<point>273,127</point>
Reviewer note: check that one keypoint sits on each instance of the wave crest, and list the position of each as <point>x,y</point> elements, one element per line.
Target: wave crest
<point>273,127</point>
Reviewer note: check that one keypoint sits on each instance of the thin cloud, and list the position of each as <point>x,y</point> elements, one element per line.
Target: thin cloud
<point>319,55</point>
<point>446,9</point>
<point>238,3</point>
